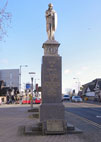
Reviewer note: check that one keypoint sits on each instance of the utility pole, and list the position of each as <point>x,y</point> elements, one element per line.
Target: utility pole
<point>78,83</point>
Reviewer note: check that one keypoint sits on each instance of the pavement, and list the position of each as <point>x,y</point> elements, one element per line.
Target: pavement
<point>12,117</point>
<point>93,102</point>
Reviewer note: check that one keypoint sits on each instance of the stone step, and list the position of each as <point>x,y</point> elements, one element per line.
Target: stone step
<point>72,130</point>
<point>34,115</point>
<point>37,130</point>
<point>34,110</point>
<point>75,131</point>
<point>70,126</point>
<point>29,130</point>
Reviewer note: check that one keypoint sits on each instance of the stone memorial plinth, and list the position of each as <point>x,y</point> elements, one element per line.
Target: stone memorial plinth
<point>52,109</point>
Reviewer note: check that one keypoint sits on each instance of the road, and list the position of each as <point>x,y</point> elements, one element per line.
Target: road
<point>88,112</point>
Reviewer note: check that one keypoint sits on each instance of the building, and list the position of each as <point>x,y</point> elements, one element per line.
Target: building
<point>10,77</point>
<point>92,90</point>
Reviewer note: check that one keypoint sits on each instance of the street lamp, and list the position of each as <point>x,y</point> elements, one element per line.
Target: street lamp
<point>20,76</point>
<point>78,83</point>
<point>32,73</point>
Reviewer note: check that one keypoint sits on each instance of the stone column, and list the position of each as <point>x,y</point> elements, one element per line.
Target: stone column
<point>52,109</point>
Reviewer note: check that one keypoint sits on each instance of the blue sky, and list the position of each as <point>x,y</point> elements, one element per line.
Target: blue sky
<point>78,31</point>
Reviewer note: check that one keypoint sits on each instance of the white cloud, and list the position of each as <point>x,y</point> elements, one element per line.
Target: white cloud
<point>79,73</point>
<point>4,61</point>
<point>84,68</point>
<point>67,71</point>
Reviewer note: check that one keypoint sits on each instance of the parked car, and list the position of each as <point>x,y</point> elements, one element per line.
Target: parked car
<point>66,97</point>
<point>26,100</point>
<point>76,99</point>
<point>36,100</point>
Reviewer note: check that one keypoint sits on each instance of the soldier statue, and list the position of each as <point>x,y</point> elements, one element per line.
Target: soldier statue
<point>51,22</point>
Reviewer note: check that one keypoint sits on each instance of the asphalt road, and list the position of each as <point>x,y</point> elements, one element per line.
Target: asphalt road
<point>89,112</point>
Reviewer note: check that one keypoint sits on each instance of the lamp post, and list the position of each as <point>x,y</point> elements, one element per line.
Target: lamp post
<point>78,83</point>
<point>32,78</point>
<point>20,76</point>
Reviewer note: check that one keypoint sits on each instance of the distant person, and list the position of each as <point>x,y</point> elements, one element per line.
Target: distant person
<point>12,98</point>
<point>7,97</point>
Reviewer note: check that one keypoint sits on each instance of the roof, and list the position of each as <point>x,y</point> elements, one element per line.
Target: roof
<point>91,85</point>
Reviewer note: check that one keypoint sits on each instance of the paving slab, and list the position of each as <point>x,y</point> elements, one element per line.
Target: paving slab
<point>11,118</point>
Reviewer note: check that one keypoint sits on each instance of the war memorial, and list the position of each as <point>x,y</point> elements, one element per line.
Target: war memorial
<point>51,112</point>
<point>51,109</point>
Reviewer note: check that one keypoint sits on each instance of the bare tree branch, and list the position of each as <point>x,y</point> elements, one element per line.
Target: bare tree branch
<point>5,20</point>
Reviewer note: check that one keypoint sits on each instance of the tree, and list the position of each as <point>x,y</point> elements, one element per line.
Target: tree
<point>5,20</point>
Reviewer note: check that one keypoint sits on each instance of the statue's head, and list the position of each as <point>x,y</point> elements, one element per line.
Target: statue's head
<point>50,6</point>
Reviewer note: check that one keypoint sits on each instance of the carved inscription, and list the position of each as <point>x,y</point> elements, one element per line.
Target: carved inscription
<point>55,125</point>
<point>51,51</point>
<point>52,77</point>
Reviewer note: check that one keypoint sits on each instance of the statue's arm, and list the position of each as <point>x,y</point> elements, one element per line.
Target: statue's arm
<point>48,13</point>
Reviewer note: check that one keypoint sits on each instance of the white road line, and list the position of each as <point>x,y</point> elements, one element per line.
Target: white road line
<point>98,116</point>
<point>87,120</point>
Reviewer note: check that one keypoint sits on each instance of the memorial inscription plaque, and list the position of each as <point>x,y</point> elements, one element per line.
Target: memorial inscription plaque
<point>54,125</point>
<point>51,79</point>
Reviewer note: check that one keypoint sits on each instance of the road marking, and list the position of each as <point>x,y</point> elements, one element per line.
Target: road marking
<point>98,116</point>
<point>95,109</point>
<point>87,120</point>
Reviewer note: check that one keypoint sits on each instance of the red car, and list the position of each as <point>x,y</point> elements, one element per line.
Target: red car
<point>25,101</point>
<point>35,101</point>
